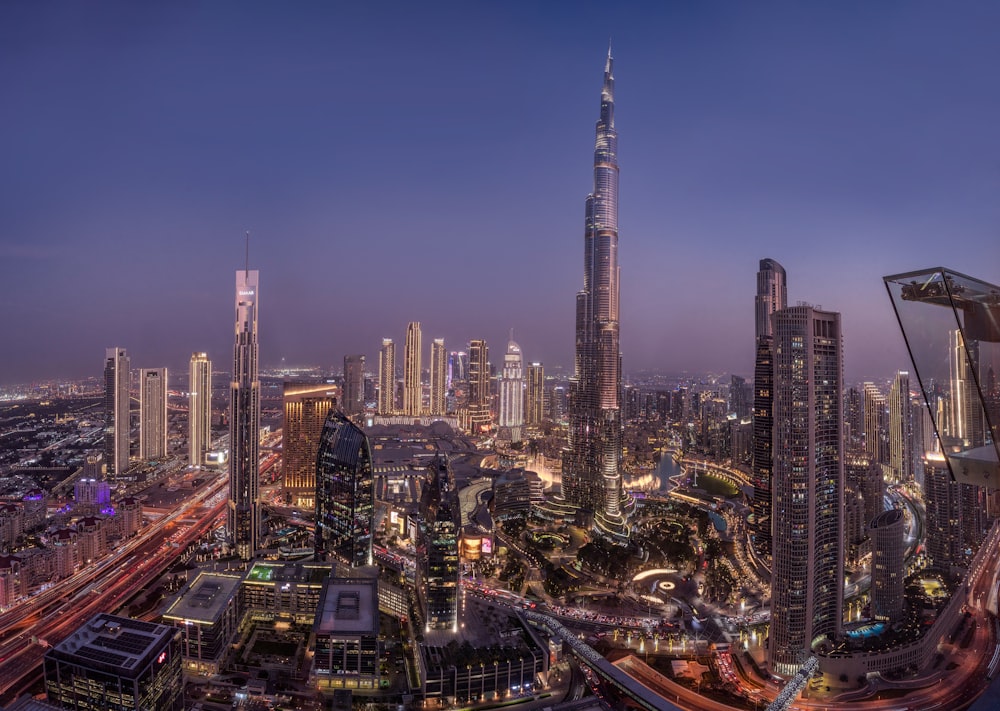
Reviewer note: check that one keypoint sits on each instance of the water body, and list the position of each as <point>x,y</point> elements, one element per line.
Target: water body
<point>667,468</point>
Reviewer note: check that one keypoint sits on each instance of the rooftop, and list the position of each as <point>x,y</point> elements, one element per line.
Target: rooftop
<point>348,606</point>
<point>123,644</point>
<point>204,599</point>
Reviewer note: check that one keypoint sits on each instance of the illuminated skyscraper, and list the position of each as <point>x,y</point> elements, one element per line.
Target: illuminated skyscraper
<point>808,485</point>
<point>345,493</point>
<point>199,409</point>
<point>244,421</point>
<point>888,566</point>
<point>412,389</point>
<point>534,401</point>
<point>306,408</point>
<point>512,392</point>
<point>876,424</point>
<point>438,377</point>
<point>591,478</point>
<point>772,296</point>
<point>900,430</point>
<point>116,412</point>
<point>437,570</point>
<point>152,413</point>
<point>387,378</point>
<point>354,384</point>
<point>479,386</point>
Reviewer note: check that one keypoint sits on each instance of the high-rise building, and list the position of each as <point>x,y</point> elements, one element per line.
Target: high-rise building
<point>876,424</point>
<point>412,388</point>
<point>740,396</point>
<point>458,368</point>
<point>512,392</point>
<point>888,566</point>
<point>116,663</point>
<point>387,378</point>
<point>354,384</point>
<point>966,419</point>
<point>943,507</point>
<point>116,412</point>
<point>437,573</point>
<point>479,386</point>
<point>591,478</point>
<point>199,409</point>
<point>855,419</point>
<point>438,376</point>
<point>900,430</point>
<point>152,413</point>
<point>534,401</point>
<point>306,408</point>
<point>345,493</point>
<point>807,485</point>
<point>772,296</point>
<point>244,421</point>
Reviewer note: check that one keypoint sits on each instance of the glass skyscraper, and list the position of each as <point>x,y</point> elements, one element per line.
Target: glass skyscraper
<point>345,493</point>
<point>244,421</point>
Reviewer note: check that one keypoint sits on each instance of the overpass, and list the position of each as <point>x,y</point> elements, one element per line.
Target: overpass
<point>641,694</point>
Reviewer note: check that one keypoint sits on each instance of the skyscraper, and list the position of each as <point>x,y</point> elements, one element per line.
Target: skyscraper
<point>900,430</point>
<point>199,409</point>
<point>888,566</point>
<point>807,485</point>
<point>479,386</point>
<point>591,478</point>
<point>354,384</point>
<point>116,412</point>
<point>345,493</point>
<point>437,573</point>
<point>387,377</point>
<point>306,408</point>
<point>876,424</point>
<point>772,296</point>
<point>244,421</point>
<point>438,373</point>
<point>152,413</point>
<point>512,392</point>
<point>412,389</point>
<point>534,405</point>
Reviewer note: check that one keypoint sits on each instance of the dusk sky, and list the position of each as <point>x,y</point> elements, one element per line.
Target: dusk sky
<point>430,162</point>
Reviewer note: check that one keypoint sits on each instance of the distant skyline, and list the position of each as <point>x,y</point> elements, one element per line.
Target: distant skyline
<point>397,162</point>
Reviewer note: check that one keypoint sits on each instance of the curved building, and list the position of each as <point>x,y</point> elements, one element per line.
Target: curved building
<point>888,566</point>
<point>345,493</point>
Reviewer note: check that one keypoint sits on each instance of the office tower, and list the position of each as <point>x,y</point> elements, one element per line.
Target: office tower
<point>740,396</point>
<point>387,378</point>
<point>855,420</point>
<point>437,574</point>
<point>479,387</point>
<point>458,368</point>
<point>116,663</point>
<point>942,505</point>
<point>591,478</point>
<point>534,401</point>
<point>772,296</point>
<point>306,408</point>
<point>116,412</point>
<point>152,413</point>
<point>438,373</point>
<point>345,493</point>
<point>900,430</point>
<point>876,424</point>
<point>199,409</point>
<point>966,419</point>
<point>807,485</point>
<point>888,566</point>
<point>412,390</point>
<point>863,476</point>
<point>354,384</point>
<point>244,421</point>
<point>512,392</point>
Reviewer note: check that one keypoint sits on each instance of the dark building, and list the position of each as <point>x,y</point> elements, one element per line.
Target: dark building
<point>437,549</point>
<point>117,663</point>
<point>345,493</point>
<point>354,384</point>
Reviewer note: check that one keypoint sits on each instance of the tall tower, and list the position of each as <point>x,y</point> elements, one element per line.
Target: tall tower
<point>387,378</point>
<point>534,405</point>
<point>900,430</point>
<point>876,427</point>
<point>888,566</point>
<point>199,409</point>
<point>412,390</point>
<point>116,411</point>
<point>354,384</point>
<point>345,493</point>
<point>306,408</point>
<point>479,386</point>
<point>807,486</point>
<point>772,296</point>
<point>152,413</point>
<point>244,421</point>
<point>438,372</point>
<point>591,478</point>
<point>512,391</point>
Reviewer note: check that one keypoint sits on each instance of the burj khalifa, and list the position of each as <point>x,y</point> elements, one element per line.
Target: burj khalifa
<point>591,478</point>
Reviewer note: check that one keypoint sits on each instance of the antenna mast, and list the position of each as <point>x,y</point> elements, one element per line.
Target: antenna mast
<point>246,270</point>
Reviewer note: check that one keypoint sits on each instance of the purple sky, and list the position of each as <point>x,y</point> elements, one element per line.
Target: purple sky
<point>429,161</point>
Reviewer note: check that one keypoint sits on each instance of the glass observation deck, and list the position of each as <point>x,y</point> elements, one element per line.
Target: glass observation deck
<point>951,324</point>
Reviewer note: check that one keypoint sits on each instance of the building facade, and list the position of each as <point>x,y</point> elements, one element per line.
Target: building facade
<point>153,424</point>
<point>534,398</point>
<point>412,386</point>
<point>437,574</point>
<point>354,384</point>
<point>480,417</point>
<point>306,407</point>
<point>439,371</point>
<point>387,378</point>
<point>888,566</point>
<point>199,409</point>
<point>901,443</point>
<point>512,392</point>
<point>116,412</point>
<point>244,421</point>
<point>807,486</point>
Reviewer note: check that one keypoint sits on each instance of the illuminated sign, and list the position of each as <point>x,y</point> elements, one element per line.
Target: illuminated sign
<point>246,292</point>
<point>162,658</point>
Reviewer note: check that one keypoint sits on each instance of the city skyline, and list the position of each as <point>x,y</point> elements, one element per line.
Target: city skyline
<point>846,142</point>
